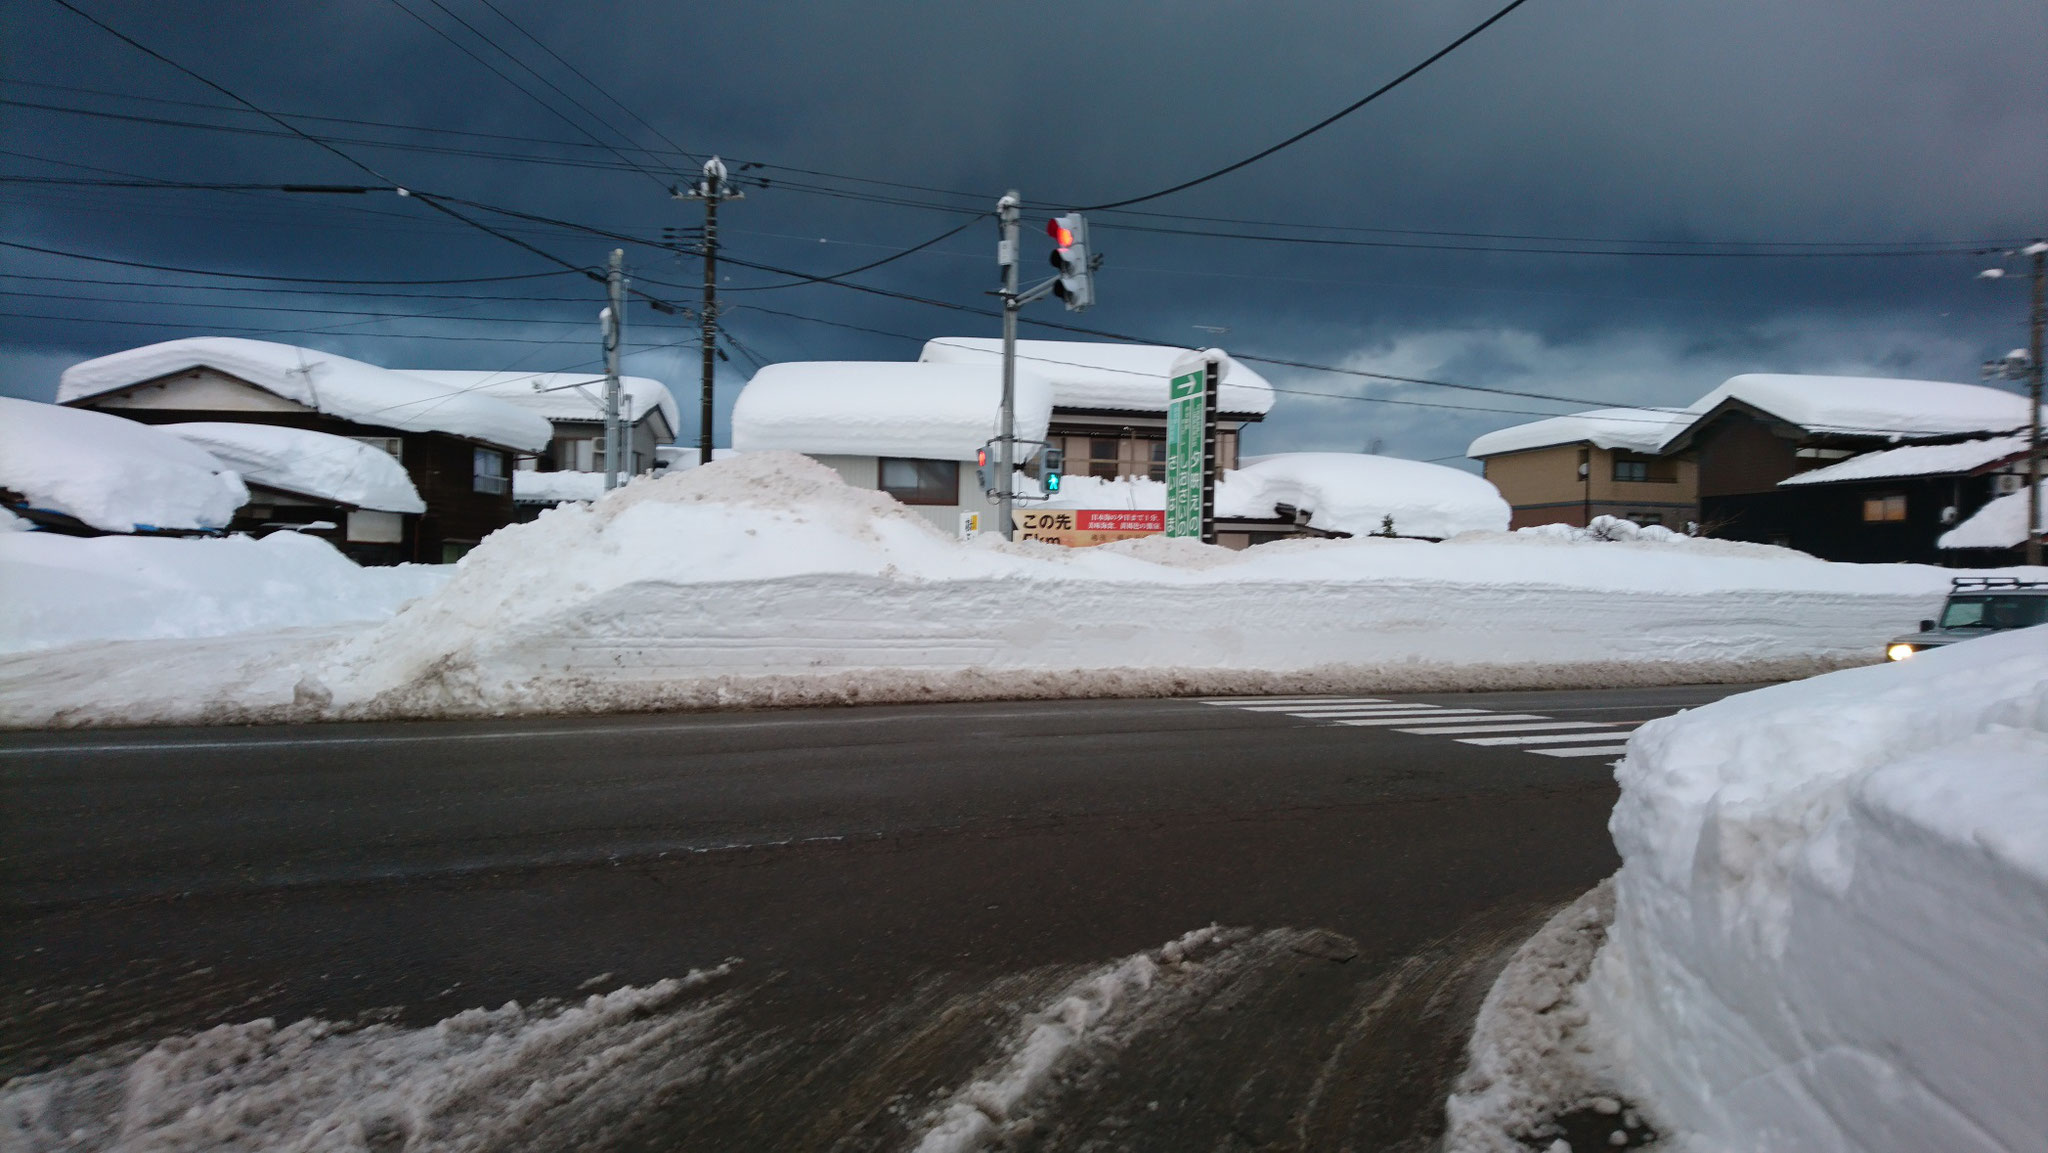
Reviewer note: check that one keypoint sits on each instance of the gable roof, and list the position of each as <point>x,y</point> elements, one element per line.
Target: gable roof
<point>1869,405</point>
<point>323,381</point>
<point>1631,429</point>
<point>562,395</point>
<point>1121,377</point>
<point>1916,460</point>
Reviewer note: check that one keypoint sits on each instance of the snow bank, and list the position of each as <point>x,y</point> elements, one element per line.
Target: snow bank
<point>483,1079</point>
<point>1831,921</point>
<point>2000,524</point>
<point>64,590</point>
<point>1347,492</point>
<point>765,580</point>
<point>1121,377</point>
<point>113,474</point>
<point>533,487</point>
<point>321,381</point>
<point>308,463</point>
<point>573,396</point>
<point>880,408</point>
<point>1632,429</point>
<point>1872,405</point>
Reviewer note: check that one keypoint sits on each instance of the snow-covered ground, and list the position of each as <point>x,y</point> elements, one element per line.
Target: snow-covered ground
<point>1830,928</point>
<point>64,590</point>
<point>765,580</point>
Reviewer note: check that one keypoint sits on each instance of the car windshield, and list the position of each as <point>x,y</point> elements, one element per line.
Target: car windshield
<point>1994,611</point>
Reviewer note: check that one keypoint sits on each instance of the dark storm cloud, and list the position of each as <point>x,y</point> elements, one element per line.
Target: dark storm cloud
<point>1643,119</point>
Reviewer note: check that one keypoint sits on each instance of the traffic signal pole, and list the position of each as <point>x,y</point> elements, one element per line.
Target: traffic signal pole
<point>1008,209</point>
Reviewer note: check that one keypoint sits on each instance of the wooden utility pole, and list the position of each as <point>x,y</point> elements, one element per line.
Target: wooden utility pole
<point>712,189</point>
<point>2037,314</point>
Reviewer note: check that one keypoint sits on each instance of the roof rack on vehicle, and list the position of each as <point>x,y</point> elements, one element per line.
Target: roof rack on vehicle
<point>1979,584</point>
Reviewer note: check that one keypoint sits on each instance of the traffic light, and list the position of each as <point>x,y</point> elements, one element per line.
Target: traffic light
<point>1076,285</point>
<point>985,467</point>
<point>1050,468</point>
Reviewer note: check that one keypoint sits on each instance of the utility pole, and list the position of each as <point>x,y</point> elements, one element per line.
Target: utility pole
<point>1006,251</point>
<point>712,189</point>
<point>613,319</point>
<point>2037,315</point>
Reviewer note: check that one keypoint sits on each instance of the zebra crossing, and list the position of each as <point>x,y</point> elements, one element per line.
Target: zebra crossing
<point>1526,732</point>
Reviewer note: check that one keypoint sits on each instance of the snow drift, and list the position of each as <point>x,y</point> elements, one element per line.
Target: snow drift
<point>1831,921</point>
<point>63,590</point>
<point>111,473</point>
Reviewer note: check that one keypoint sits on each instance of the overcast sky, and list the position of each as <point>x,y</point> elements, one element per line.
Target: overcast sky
<point>883,124</point>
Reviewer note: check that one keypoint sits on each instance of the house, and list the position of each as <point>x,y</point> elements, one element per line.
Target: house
<point>1845,468</point>
<point>1607,462</point>
<point>1109,400</point>
<point>355,497</point>
<point>456,446</point>
<point>1757,431</point>
<point>87,474</point>
<point>909,429</point>
<point>1996,535</point>
<point>573,403</point>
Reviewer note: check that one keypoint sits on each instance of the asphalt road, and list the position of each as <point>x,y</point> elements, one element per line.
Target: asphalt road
<point>903,891</point>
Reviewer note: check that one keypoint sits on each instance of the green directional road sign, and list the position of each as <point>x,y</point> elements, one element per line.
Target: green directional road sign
<point>1184,451</point>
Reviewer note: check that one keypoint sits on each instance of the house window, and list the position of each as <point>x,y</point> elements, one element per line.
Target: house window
<point>1102,457</point>
<point>921,481</point>
<point>488,474</point>
<point>1883,509</point>
<point>1633,469</point>
<point>391,446</point>
<point>1157,471</point>
<point>1646,518</point>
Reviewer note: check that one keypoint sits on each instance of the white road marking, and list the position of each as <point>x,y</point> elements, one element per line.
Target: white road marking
<point>1417,720</point>
<point>1601,751</point>
<point>1295,702</point>
<point>1458,730</point>
<point>1418,715</point>
<point>1544,739</point>
<point>1311,710</point>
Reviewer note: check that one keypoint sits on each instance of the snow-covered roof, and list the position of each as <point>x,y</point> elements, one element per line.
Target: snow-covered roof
<point>2000,524</point>
<point>335,385</point>
<point>883,408</point>
<point>1872,406</point>
<point>1344,491</point>
<point>562,395</point>
<point>1916,460</point>
<point>1124,377</point>
<point>532,487</point>
<point>308,463</point>
<point>112,473</point>
<point>1632,429</point>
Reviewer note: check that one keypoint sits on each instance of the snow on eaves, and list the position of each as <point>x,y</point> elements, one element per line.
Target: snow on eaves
<point>883,408</point>
<point>323,381</point>
<point>1123,377</point>
<point>111,473</point>
<point>1916,460</point>
<point>1630,429</point>
<point>2000,524</point>
<point>1872,406</point>
<point>308,463</point>
<point>566,396</point>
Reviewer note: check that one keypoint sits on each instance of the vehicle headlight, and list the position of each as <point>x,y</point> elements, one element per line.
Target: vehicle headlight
<point>1898,652</point>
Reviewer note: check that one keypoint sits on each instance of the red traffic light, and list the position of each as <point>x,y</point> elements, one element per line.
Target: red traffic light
<point>1062,236</point>
<point>981,457</point>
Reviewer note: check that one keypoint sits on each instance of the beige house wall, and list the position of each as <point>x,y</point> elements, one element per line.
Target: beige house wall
<point>1546,486</point>
<point>198,389</point>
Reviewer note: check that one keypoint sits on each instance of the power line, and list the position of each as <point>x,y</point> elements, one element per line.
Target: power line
<point>282,279</point>
<point>1312,129</point>
<point>1978,248</point>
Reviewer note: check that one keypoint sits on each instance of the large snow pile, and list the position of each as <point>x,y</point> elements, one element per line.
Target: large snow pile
<point>308,463</point>
<point>1345,492</point>
<point>64,590</point>
<point>1831,927</point>
<point>1123,377</point>
<point>113,474</point>
<point>1632,429</point>
<point>883,408</point>
<point>570,396</point>
<point>321,381</point>
<point>1999,524</point>
<point>1872,405</point>
<point>533,487</point>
